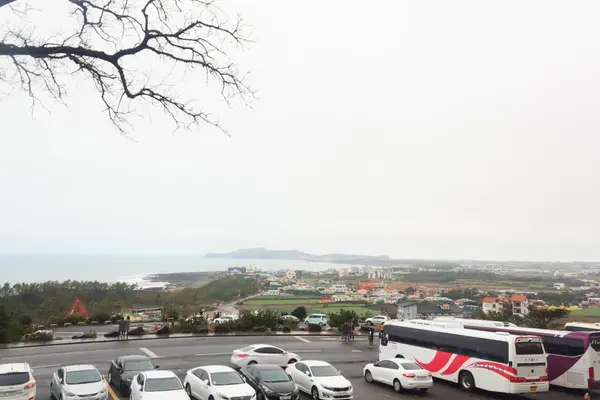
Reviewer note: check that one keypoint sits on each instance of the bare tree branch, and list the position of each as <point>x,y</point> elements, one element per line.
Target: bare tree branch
<point>186,34</point>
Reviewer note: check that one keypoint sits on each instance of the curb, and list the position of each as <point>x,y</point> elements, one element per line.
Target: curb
<point>166,337</point>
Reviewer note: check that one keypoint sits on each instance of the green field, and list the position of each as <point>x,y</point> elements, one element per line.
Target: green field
<point>281,300</point>
<point>586,312</point>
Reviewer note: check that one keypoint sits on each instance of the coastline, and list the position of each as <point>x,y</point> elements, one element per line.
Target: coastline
<point>143,269</point>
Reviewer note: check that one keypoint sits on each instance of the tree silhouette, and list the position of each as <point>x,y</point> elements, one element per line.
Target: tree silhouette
<point>183,34</point>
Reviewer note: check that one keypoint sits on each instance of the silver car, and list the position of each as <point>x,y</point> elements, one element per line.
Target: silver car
<point>77,382</point>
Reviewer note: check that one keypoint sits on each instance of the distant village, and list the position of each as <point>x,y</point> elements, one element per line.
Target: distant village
<point>387,285</point>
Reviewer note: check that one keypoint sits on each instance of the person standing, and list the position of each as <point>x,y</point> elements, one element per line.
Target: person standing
<point>121,324</point>
<point>586,396</point>
<point>371,337</point>
<point>127,326</point>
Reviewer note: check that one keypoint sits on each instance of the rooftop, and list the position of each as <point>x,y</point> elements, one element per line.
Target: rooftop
<point>81,367</point>
<point>157,374</point>
<point>217,368</point>
<point>14,367</point>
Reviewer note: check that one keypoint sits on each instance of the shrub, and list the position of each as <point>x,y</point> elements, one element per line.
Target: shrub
<point>100,317</point>
<point>74,319</point>
<point>341,317</point>
<point>300,313</point>
<point>314,328</point>
<point>263,318</point>
<point>39,336</point>
<point>222,328</point>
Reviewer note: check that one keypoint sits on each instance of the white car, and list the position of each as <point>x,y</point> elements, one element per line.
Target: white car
<point>378,320</point>
<point>400,373</point>
<point>217,382</point>
<point>316,319</point>
<point>321,380</point>
<point>263,354</point>
<point>17,382</point>
<point>157,385</point>
<point>76,382</point>
<point>225,319</point>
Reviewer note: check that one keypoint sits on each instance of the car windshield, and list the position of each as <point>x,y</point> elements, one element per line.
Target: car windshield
<point>138,365</point>
<point>81,377</point>
<point>274,375</point>
<point>226,378</point>
<point>162,385</point>
<point>409,366</point>
<point>324,370</point>
<point>14,378</point>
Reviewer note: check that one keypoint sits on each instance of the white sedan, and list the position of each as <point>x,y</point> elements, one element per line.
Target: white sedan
<point>263,354</point>
<point>17,382</point>
<point>400,373</point>
<point>78,381</point>
<point>157,385</point>
<point>378,320</point>
<point>321,380</point>
<point>217,382</point>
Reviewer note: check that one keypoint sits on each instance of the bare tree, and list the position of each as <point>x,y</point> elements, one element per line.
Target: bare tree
<point>185,34</point>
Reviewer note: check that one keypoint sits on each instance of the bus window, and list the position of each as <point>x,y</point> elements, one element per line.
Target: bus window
<point>595,342</point>
<point>529,348</point>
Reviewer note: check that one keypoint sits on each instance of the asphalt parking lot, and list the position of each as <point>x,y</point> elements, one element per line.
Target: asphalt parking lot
<point>183,354</point>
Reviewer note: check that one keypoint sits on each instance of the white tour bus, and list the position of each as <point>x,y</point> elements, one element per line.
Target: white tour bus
<point>582,327</point>
<point>497,362</point>
<point>573,355</point>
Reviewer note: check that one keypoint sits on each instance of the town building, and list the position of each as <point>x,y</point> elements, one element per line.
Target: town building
<point>517,304</point>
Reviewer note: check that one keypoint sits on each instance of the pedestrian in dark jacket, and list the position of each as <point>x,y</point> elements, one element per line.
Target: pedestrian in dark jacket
<point>127,326</point>
<point>121,328</point>
<point>371,337</point>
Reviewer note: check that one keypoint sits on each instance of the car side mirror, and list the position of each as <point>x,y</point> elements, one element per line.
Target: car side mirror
<point>156,366</point>
<point>307,373</point>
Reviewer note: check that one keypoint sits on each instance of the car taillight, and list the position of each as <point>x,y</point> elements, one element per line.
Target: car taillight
<point>30,385</point>
<point>409,375</point>
<point>591,373</point>
<point>242,355</point>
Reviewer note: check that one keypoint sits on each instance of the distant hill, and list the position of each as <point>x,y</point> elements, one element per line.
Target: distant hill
<point>262,253</point>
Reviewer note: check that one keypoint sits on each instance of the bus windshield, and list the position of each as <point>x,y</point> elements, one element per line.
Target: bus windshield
<point>595,342</point>
<point>529,348</point>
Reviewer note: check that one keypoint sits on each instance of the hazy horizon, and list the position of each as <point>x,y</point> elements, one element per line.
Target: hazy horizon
<point>444,130</point>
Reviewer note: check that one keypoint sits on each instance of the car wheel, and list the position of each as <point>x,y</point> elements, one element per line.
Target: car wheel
<point>423,390</point>
<point>211,398</point>
<point>368,376</point>
<point>188,390</point>
<point>259,396</point>
<point>466,381</point>
<point>315,393</point>
<point>397,386</point>
<point>252,362</point>
<point>292,360</point>
<point>52,397</point>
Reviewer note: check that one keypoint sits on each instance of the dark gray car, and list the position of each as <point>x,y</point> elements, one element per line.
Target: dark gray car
<point>123,369</point>
<point>270,382</point>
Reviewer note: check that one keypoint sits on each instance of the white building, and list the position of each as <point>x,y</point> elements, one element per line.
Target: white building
<point>339,288</point>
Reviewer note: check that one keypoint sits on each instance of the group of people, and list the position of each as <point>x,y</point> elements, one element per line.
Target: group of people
<point>347,331</point>
<point>124,327</point>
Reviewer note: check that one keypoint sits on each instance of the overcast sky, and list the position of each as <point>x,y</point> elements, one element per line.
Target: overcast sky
<point>455,129</point>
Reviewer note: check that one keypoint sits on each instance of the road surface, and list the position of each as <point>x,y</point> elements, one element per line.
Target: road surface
<point>185,353</point>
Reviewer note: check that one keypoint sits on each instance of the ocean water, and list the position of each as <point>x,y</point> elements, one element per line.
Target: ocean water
<point>127,268</point>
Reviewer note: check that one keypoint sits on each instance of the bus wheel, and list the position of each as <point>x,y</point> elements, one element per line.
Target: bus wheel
<point>397,386</point>
<point>399,356</point>
<point>466,381</point>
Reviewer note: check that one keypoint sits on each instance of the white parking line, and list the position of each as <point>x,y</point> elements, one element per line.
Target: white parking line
<point>302,339</point>
<point>149,352</point>
<point>356,351</point>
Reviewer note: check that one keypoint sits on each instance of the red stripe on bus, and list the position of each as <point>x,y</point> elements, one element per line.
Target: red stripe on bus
<point>440,359</point>
<point>456,364</point>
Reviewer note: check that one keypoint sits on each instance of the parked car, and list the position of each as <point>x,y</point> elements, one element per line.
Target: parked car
<point>263,354</point>
<point>317,319</point>
<point>123,369</point>
<point>271,382</point>
<point>320,380</point>
<point>78,381</point>
<point>157,385</point>
<point>378,320</point>
<point>225,319</point>
<point>217,382</point>
<point>17,382</point>
<point>289,317</point>
<point>399,373</point>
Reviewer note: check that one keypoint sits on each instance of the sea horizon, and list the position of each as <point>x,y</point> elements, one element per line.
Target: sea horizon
<point>28,268</point>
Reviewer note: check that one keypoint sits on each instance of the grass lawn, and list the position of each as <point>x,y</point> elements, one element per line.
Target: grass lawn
<point>586,312</point>
<point>276,300</point>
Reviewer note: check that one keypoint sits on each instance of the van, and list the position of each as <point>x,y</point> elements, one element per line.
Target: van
<point>316,319</point>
